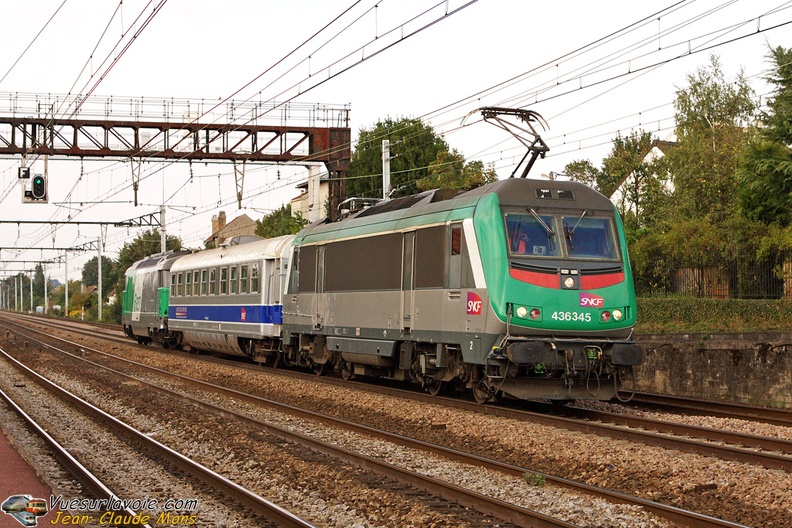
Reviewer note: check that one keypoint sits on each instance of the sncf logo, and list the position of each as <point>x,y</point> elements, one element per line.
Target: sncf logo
<point>591,300</point>
<point>473,304</point>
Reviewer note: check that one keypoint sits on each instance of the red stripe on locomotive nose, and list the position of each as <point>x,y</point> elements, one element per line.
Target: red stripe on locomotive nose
<point>551,280</point>
<point>592,282</point>
<point>546,280</point>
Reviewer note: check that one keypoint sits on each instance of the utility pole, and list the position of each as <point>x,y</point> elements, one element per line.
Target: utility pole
<point>385,168</point>
<point>162,229</point>
<point>67,285</point>
<point>31,293</point>
<point>46,295</point>
<point>99,262</point>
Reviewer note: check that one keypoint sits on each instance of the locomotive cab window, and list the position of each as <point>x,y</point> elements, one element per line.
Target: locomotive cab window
<point>589,237</point>
<point>533,234</point>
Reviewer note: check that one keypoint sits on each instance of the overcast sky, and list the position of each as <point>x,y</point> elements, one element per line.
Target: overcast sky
<point>591,69</point>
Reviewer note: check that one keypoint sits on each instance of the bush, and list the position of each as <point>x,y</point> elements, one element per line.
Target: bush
<point>686,314</point>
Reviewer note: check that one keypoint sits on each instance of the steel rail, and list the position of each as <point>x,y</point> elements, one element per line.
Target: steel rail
<point>258,504</point>
<point>82,474</point>
<point>687,518</point>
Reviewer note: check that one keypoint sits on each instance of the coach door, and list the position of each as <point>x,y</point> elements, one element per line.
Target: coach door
<point>408,281</point>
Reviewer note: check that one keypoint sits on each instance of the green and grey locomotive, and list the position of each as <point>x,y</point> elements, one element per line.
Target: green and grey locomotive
<point>520,287</point>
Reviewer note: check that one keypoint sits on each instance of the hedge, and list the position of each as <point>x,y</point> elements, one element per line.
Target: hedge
<point>686,314</point>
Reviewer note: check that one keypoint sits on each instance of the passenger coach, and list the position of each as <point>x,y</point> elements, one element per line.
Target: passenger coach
<point>230,299</point>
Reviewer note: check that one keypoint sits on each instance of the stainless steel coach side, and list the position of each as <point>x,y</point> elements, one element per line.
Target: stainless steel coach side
<point>229,299</point>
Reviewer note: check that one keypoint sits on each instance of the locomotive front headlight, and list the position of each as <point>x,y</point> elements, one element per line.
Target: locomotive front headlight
<point>617,315</point>
<point>522,311</point>
<point>569,282</point>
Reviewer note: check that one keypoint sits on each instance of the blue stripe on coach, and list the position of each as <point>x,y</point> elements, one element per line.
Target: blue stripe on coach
<point>272,314</point>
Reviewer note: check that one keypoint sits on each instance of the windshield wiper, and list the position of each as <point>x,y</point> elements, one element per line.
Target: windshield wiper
<point>569,232</point>
<point>550,232</point>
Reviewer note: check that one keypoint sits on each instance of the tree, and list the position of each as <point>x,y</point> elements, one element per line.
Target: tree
<point>280,222</point>
<point>585,172</point>
<point>90,273</point>
<point>765,171</point>
<point>712,118</point>
<point>643,194</point>
<point>450,171</point>
<point>143,245</point>
<point>414,147</point>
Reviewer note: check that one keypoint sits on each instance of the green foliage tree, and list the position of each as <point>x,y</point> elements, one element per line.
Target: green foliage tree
<point>280,222</point>
<point>712,117</point>
<point>765,171</point>
<point>90,273</point>
<point>644,196</point>
<point>143,245</point>
<point>450,171</point>
<point>585,172</point>
<point>414,147</point>
<point>38,282</point>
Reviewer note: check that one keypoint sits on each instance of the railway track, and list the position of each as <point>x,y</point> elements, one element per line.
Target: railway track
<point>83,475</point>
<point>773,453</point>
<point>673,514</point>
<point>167,457</point>
<point>782,417</point>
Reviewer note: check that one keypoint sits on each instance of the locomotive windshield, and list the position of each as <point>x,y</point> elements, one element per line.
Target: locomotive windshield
<point>578,236</point>
<point>533,234</point>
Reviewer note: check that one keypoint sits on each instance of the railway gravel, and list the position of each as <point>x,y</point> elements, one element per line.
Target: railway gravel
<point>736,492</point>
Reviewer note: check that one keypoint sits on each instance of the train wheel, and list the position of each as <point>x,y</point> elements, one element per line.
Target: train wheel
<point>347,371</point>
<point>482,394</point>
<point>319,368</point>
<point>434,387</point>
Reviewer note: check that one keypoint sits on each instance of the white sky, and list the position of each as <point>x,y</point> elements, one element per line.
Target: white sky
<point>209,50</point>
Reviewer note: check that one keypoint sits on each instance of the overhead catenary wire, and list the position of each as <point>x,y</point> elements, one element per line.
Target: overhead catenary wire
<point>447,132</point>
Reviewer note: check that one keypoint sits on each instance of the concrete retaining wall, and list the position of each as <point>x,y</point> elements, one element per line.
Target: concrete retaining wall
<point>754,369</point>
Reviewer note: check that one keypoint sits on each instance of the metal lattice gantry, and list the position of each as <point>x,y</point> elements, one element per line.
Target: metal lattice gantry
<point>178,130</point>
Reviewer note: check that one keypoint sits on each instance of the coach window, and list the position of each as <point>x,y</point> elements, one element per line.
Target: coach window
<point>254,279</point>
<point>188,283</point>
<point>212,281</point>
<point>180,285</point>
<point>223,281</point>
<point>196,282</point>
<point>204,275</point>
<point>233,280</point>
<point>173,285</point>
<point>243,279</point>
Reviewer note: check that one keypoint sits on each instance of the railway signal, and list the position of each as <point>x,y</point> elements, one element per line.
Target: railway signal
<point>38,190</point>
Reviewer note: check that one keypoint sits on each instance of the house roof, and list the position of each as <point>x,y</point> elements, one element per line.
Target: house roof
<point>241,225</point>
